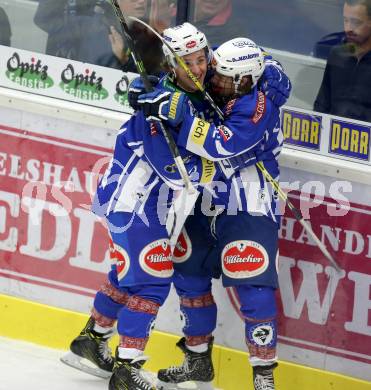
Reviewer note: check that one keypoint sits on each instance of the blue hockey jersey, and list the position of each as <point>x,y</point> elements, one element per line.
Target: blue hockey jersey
<point>213,154</point>
<point>249,133</point>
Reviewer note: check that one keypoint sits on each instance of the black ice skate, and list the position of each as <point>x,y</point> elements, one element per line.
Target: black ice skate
<point>263,377</point>
<point>127,375</point>
<point>197,367</point>
<point>90,352</point>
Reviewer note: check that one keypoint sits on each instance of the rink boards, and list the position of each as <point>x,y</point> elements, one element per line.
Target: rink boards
<point>53,251</point>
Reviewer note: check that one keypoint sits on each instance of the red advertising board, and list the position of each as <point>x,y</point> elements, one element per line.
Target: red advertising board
<point>321,309</point>
<point>49,237</point>
<point>46,229</point>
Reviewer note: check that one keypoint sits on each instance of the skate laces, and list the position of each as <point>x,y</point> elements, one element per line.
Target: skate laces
<point>139,381</point>
<point>105,351</point>
<point>264,381</point>
<point>135,366</point>
<point>179,369</point>
<point>102,341</point>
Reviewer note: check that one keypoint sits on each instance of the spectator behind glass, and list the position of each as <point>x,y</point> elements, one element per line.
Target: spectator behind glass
<point>346,86</point>
<point>88,31</point>
<point>148,45</point>
<point>162,14</point>
<point>5,31</point>
<point>215,19</point>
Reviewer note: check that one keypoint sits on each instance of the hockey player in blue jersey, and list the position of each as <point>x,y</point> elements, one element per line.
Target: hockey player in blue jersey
<point>139,281</point>
<point>241,243</point>
<point>128,197</point>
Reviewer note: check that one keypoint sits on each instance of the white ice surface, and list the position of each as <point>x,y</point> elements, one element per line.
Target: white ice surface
<point>26,366</point>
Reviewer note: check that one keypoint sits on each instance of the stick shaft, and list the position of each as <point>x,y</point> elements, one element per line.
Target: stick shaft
<point>298,216</point>
<point>319,244</point>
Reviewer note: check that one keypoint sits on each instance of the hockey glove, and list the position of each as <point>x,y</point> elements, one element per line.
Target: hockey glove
<point>231,165</point>
<point>136,88</point>
<point>164,105</point>
<point>275,84</point>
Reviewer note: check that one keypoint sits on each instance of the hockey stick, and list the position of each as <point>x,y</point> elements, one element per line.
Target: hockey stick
<point>149,88</point>
<point>298,215</point>
<point>296,212</point>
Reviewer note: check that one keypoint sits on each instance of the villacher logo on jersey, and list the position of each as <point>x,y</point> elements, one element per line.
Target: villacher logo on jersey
<point>32,74</point>
<point>120,258</point>
<point>183,248</point>
<point>244,259</point>
<point>155,259</point>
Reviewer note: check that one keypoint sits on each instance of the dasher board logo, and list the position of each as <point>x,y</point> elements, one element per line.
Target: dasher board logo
<point>49,237</point>
<point>301,129</point>
<point>350,140</point>
<point>28,73</point>
<point>121,94</point>
<point>87,86</point>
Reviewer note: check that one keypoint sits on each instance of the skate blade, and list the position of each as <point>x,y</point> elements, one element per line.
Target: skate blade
<point>85,365</point>
<point>189,385</point>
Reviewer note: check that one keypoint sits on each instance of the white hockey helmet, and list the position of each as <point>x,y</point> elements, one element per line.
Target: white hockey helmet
<point>183,39</point>
<point>237,58</point>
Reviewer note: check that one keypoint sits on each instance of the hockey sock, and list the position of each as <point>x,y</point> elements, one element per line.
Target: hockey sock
<point>198,348</point>
<point>129,353</point>
<point>103,330</point>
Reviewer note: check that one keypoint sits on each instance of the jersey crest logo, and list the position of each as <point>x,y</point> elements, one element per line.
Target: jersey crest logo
<point>156,259</point>
<point>244,259</point>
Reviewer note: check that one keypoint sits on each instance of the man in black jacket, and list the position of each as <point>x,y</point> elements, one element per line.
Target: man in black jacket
<point>346,84</point>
